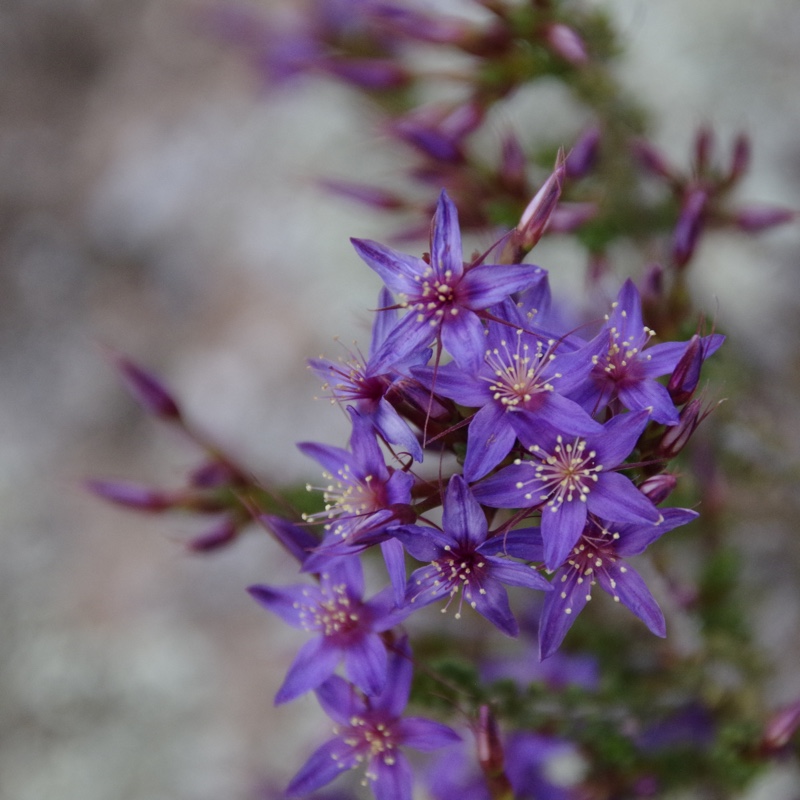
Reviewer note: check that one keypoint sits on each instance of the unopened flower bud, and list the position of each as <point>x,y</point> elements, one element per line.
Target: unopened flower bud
<point>653,160</point>
<point>367,73</point>
<point>658,487</point>
<point>223,533</point>
<point>361,193</point>
<point>490,747</point>
<point>513,161</point>
<point>686,375</point>
<point>689,227</point>
<point>583,155</point>
<point>781,727</point>
<point>298,541</point>
<point>567,217</point>
<point>703,149</point>
<point>754,219</point>
<point>652,282</point>
<point>146,389</point>
<point>537,215</point>
<point>565,42</point>
<point>131,495</point>
<point>212,475</point>
<point>676,437</point>
<point>740,160</point>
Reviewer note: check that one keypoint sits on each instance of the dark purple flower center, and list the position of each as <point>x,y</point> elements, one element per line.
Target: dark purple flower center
<point>460,570</point>
<point>369,739</point>
<point>349,382</point>
<point>564,475</point>
<point>622,361</point>
<point>436,297</point>
<point>518,380</point>
<point>336,615</point>
<point>348,497</point>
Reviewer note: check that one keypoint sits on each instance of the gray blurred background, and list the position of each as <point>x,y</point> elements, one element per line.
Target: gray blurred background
<point>154,198</point>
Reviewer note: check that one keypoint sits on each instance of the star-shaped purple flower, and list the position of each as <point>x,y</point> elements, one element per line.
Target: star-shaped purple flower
<point>625,369</point>
<point>462,560</point>
<point>357,381</point>
<point>443,296</point>
<point>371,731</point>
<point>568,476</point>
<point>348,628</point>
<point>597,557</point>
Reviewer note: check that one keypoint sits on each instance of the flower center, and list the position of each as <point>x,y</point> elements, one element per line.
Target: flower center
<point>518,373</point>
<point>347,497</point>
<point>334,615</point>
<point>435,297</point>
<point>562,476</point>
<point>623,354</point>
<point>460,571</point>
<point>370,740</point>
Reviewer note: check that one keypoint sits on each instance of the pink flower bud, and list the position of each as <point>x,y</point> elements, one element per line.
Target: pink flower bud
<point>565,42</point>
<point>537,215</point>
<point>781,727</point>
<point>223,533</point>
<point>658,487</point>
<point>146,389</point>
<point>131,495</point>
<point>754,219</point>
<point>490,747</point>
<point>676,437</point>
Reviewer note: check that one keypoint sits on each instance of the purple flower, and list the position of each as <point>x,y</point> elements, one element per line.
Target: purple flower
<point>569,476</point>
<point>370,731</point>
<point>625,368</point>
<point>349,629</point>
<point>359,382</point>
<point>462,559</point>
<point>520,382</point>
<point>599,557</point>
<point>443,297</point>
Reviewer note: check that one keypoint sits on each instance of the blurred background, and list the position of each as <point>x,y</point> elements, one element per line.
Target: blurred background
<point>154,197</point>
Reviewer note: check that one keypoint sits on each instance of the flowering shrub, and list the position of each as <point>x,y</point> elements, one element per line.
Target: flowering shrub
<point>502,439</point>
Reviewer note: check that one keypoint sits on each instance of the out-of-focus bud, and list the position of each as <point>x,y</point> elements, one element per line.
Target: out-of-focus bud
<point>686,375</point>
<point>689,227</point>
<point>583,155</point>
<point>567,217</point>
<point>402,21</point>
<point>513,162</point>
<point>537,215</point>
<point>367,73</point>
<point>703,149</point>
<point>754,219</point>
<point>676,437</point>
<point>223,533</point>
<point>653,160</point>
<point>437,131</point>
<point>212,475</point>
<point>490,746</point>
<point>652,282</point>
<point>740,160</point>
<point>565,42</point>
<point>131,495</point>
<point>146,388</point>
<point>658,487</point>
<point>780,728</point>
<point>361,193</point>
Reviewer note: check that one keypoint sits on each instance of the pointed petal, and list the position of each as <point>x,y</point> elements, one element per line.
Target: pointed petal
<point>501,490</point>
<point>424,734</point>
<point>524,543</point>
<point>314,664</point>
<point>491,601</point>
<point>288,602</point>
<point>561,530</point>
<point>635,538</point>
<point>514,574</point>
<point>561,608</point>
<point>339,700</point>
<point>626,586</point>
<point>490,440</point>
<point>324,765</point>
<point>629,311</point>
<point>424,544</point>
<point>331,458</point>
<point>615,498</point>
<point>449,380</point>
<point>409,336</point>
<point>394,698</point>
<point>661,359</point>
<point>462,337</point>
<point>619,437</point>
<point>393,779</point>
<point>384,322</point>
<point>365,662</point>
<point>394,556</point>
<point>446,255</point>
<point>463,518</point>
<point>647,395</point>
<point>489,284</point>
<point>395,430</point>
<point>397,270</point>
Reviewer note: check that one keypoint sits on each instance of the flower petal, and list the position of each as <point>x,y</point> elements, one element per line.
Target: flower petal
<point>446,255</point>
<point>324,765</point>
<point>393,778</point>
<point>561,530</point>
<point>365,662</point>
<point>424,734</point>
<point>615,498</point>
<point>490,440</point>
<point>626,586</point>
<point>561,608</point>
<point>314,664</point>
<point>463,518</point>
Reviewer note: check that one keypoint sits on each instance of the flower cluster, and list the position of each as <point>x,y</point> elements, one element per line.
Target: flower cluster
<point>548,473</point>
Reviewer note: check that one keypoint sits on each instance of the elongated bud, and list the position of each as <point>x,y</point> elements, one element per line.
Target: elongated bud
<point>583,155</point>
<point>689,227</point>
<point>131,495</point>
<point>567,217</point>
<point>686,375</point>
<point>490,747</point>
<point>652,160</point>
<point>223,533</point>
<point>513,161</point>
<point>703,149</point>
<point>754,219</point>
<point>145,388</point>
<point>658,487</point>
<point>298,541</point>
<point>367,73</point>
<point>212,475</point>
<point>536,216</point>
<point>566,43</point>
<point>652,282</point>
<point>361,193</point>
<point>740,160</point>
<point>676,437</point>
<point>781,727</point>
